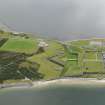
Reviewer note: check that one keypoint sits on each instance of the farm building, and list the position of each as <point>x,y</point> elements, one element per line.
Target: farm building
<point>42,45</point>
<point>96,43</point>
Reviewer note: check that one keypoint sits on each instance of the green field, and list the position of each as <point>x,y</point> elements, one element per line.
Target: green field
<point>20,45</point>
<point>23,45</point>
<point>49,69</point>
<point>90,59</point>
<point>78,57</point>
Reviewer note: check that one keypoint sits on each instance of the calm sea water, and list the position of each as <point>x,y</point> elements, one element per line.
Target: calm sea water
<point>54,95</point>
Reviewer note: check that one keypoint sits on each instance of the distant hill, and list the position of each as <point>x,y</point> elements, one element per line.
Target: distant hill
<point>4,27</point>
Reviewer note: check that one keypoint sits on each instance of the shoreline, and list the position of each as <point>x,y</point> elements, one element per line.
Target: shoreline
<point>70,81</point>
<point>62,81</point>
<point>93,38</point>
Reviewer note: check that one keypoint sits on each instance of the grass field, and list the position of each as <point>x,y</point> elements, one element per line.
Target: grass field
<point>49,69</point>
<point>20,45</point>
<point>89,60</point>
<point>81,57</point>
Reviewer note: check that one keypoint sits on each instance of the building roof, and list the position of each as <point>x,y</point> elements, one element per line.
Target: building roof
<point>98,43</point>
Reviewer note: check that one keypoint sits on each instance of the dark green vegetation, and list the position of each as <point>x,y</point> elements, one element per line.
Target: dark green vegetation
<point>14,66</point>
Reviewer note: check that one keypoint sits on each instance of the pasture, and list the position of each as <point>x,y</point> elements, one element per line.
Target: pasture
<point>20,45</point>
<point>90,60</point>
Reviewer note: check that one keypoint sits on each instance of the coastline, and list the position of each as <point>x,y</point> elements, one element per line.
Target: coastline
<point>62,81</point>
<point>70,81</point>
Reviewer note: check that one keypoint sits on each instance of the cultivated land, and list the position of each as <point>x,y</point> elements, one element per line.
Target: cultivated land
<point>89,61</point>
<point>20,60</point>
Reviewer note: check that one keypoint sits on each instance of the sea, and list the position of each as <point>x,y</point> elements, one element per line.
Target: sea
<point>54,95</point>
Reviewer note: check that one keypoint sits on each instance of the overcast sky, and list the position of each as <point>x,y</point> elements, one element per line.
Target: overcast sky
<point>55,17</point>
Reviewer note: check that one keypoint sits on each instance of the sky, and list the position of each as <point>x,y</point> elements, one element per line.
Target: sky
<point>56,18</point>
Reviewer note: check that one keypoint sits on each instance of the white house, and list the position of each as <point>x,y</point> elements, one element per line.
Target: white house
<point>96,43</point>
<point>42,43</point>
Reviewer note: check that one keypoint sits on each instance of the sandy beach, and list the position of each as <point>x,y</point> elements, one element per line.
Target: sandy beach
<point>65,81</point>
<point>70,81</point>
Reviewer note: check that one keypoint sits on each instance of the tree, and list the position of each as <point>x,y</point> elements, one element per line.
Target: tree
<point>10,67</point>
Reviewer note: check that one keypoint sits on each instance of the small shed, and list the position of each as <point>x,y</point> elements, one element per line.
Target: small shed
<point>42,45</point>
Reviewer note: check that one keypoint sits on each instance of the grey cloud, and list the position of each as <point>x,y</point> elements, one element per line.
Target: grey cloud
<point>58,18</point>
